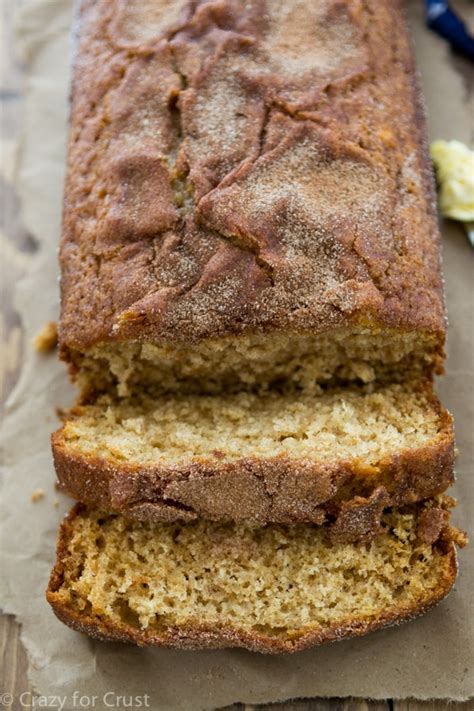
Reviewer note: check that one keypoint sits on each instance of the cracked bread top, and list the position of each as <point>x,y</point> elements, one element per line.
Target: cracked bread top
<point>246,167</point>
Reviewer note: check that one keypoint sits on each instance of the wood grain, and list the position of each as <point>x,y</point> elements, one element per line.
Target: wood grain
<point>13,663</point>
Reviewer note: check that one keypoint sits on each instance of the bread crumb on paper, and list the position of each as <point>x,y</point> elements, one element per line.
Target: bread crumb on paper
<point>47,338</point>
<point>37,495</point>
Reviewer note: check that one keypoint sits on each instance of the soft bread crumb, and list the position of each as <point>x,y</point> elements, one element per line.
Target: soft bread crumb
<point>255,362</point>
<point>283,580</point>
<point>37,495</point>
<point>369,423</point>
<point>47,338</point>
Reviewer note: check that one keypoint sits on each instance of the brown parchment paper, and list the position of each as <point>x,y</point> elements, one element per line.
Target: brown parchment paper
<point>429,658</point>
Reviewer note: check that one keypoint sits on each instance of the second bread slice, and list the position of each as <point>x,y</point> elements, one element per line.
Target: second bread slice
<point>336,457</point>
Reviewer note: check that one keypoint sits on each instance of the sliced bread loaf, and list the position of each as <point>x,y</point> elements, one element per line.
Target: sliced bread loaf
<point>338,456</point>
<point>268,589</point>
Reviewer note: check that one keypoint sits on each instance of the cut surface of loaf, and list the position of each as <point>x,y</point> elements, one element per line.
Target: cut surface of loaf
<point>255,363</point>
<point>248,197</point>
<point>336,456</point>
<point>268,589</point>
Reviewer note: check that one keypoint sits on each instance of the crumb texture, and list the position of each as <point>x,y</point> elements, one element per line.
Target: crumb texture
<point>257,363</point>
<point>278,581</point>
<point>369,424</point>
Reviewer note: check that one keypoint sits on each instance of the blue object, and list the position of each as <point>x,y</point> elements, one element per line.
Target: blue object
<point>442,20</point>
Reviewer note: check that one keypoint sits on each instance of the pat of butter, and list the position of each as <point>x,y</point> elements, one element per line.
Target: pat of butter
<point>454,164</point>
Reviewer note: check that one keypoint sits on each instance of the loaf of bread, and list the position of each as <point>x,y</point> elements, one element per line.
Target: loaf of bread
<point>252,308</point>
<point>248,197</point>
<point>268,589</point>
<point>338,457</point>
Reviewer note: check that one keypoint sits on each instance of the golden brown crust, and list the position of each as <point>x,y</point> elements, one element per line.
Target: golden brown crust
<point>179,221</point>
<point>202,637</point>
<point>264,490</point>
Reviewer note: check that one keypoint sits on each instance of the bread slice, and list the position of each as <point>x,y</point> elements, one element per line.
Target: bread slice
<point>337,456</point>
<point>268,589</point>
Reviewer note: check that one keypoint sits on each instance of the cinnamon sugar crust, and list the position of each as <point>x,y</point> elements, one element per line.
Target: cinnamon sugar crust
<point>247,170</point>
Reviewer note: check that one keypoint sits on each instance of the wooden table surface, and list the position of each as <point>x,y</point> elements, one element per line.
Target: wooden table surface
<point>16,249</point>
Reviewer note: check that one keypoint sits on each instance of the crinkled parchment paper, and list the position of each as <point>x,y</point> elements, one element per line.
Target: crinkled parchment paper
<point>429,658</point>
